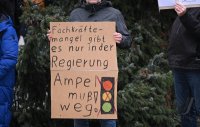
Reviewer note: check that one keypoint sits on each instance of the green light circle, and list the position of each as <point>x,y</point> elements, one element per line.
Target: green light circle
<point>106,107</point>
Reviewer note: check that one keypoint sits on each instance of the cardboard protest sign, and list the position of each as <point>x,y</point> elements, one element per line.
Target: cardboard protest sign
<point>169,4</point>
<point>84,70</point>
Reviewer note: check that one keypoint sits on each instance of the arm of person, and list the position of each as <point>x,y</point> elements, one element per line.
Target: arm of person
<point>122,36</point>
<point>190,22</point>
<point>9,51</point>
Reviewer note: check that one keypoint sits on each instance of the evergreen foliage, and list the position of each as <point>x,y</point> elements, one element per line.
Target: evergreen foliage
<point>145,90</point>
<point>32,102</point>
<point>147,101</point>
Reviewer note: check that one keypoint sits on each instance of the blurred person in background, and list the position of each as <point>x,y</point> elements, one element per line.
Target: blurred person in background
<point>184,60</point>
<point>8,60</point>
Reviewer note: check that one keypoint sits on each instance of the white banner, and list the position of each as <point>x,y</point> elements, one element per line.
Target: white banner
<point>169,4</point>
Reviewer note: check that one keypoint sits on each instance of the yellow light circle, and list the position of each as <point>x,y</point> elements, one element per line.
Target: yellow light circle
<point>107,96</point>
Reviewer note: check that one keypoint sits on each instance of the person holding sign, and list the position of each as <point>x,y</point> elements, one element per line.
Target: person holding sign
<point>184,59</point>
<point>101,10</point>
<point>8,60</point>
<point>98,11</point>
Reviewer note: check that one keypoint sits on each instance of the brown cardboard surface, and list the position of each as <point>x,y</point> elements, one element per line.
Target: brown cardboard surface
<point>78,94</point>
<point>84,70</point>
<point>82,48</point>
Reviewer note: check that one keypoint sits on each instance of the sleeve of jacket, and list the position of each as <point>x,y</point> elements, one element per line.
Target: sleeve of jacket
<point>74,15</point>
<point>121,28</point>
<point>71,17</point>
<point>191,23</point>
<point>9,51</point>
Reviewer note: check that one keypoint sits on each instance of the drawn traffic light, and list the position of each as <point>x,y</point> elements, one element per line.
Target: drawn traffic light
<point>107,95</point>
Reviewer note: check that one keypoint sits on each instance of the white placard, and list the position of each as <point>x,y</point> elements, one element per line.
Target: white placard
<point>169,4</point>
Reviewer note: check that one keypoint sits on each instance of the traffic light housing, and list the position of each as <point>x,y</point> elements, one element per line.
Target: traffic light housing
<point>107,95</point>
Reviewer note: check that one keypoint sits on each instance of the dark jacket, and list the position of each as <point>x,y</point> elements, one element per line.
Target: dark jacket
<point>102,12</point>
<point>184,41</point>
<point>8,60</point>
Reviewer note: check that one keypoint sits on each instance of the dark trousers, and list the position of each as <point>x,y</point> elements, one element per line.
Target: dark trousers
<point>85,123</point>
<point>187,90</point>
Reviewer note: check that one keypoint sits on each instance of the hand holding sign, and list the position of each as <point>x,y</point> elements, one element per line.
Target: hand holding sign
<point>180,9</point>
<point>117,37</point>
<point>49,35</point>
